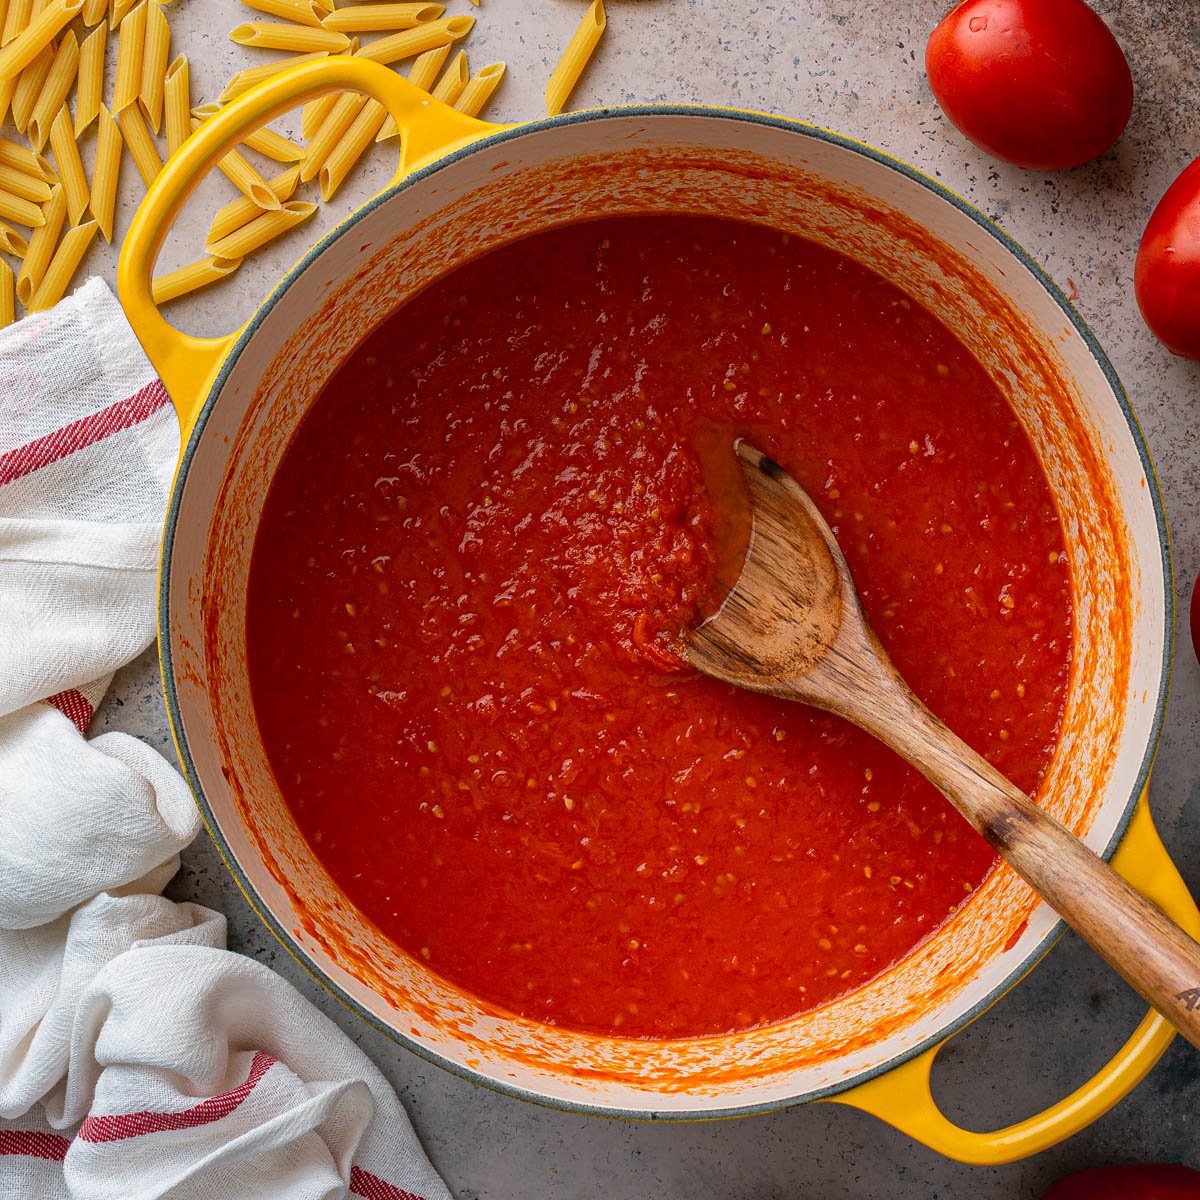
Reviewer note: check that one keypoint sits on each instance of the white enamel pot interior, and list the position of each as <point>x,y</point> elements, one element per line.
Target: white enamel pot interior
<point>797,179</point>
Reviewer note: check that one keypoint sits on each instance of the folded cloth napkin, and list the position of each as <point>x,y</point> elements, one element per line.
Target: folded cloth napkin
<point>138,1057</point>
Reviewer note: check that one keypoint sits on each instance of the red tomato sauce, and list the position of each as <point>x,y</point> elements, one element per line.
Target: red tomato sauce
<point>487,533</point>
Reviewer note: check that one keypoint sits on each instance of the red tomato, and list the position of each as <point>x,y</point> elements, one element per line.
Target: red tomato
<point>1149,1181</point>
<point>1167,276</point>
<point>1039,83</point>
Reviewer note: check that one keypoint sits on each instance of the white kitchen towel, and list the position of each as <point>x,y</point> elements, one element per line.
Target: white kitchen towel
<point>138,1057</point>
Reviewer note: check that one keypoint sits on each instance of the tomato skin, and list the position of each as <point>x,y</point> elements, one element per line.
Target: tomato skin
<point>1166,278</point>
<point>1039,83</point>
<point>1141,1181</point>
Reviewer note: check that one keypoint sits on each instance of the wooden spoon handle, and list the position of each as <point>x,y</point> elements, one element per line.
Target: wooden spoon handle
<point>1149,950</point>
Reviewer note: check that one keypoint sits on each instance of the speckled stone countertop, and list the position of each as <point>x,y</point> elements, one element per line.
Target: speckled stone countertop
<point>854,67</point>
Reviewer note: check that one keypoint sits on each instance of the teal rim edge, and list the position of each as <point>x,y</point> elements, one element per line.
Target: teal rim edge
<point>711,113</point>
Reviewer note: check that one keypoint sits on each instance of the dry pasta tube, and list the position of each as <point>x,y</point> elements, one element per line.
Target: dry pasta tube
<point>141,145</point>
<point>131,45</point>
<point>55,90</point>
<point>177,101</point>
<point>303,12</point>
<point>37,35</point>
<point>8,308</point>
<point>350,147</point>
<point>156,52</point>
<point>575,57</point>
<point>243,210</point>
<point>12,242</point>
<point>313,114</point>
<point>29,87</point>
<point>16,17</point>
<point>257,233</point>
<point>90,87</point>
<point>62,267</point>
<point>245,178</point>
<point>120,9</point>
<point>41,246</point>
<point>370,18</point>
<point>411,42</point>
<point>13,154</point>
<point>453,80</point>
<point>244,80</point>
<point>333,128</point>
<point>106,173</point>
<point>70,165</point>
<point>192,278</point>
<point>94,11</point>
<point>24,212</point>
<point>296,39</point>
<point>267,142</point>
<point>479,89</point>
<point>29,187</point>
<point>8,88</point>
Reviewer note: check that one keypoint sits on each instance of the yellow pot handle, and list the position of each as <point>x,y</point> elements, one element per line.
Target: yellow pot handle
<point>187,364</point>
<point>903,1098</point>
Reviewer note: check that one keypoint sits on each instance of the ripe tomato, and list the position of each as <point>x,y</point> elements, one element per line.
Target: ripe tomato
<point>1166,278</point>
<point>1039,83</point>
<point>1149,1181</point>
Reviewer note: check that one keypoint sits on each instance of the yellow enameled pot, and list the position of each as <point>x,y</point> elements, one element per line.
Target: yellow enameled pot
<point>465,186</point>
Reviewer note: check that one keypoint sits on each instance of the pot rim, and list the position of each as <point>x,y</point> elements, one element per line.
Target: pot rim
<point>508,133</point>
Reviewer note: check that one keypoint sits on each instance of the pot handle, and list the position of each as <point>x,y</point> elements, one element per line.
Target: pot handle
<point>903,1098</point>
<point>185,363</point>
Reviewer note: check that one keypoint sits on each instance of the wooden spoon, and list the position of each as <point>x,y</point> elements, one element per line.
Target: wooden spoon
<point>793,627</point>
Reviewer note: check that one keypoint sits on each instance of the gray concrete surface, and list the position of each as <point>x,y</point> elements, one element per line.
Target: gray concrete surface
<point>855,66</point>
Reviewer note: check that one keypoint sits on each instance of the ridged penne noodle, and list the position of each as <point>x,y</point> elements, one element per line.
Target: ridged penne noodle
<point>29,187</point>
<point>156,53</point>
<point>479,89</point>
<point>340,118</point>
<point>140,144</point>
<point>575,57</point>
<point>24,212</point>
<point>8,307</point>
<point>55,90</point>
<point>244,80</point>
<point>12,242</point>
<point>106,173</point>
<point>243,210</point>
<point>192,278</point>
<point>453,80</point>
<point>131,45</point>
<point>13,154</point>
<point>90,87</point>
<point>29,87</point>
<point>8,88</point>
<point>257,233</point>
<point>303,12</point>
<point>267,142</point>
<point>370,18</point>
<point>37,35</point>
<point>41,245</point>
<point>119,10</point>
<point>350,146</point>
<point>297,39</point>
<point>411,42</point>
<point>94,11</point>
<point>314,113</point>
<point>62,267</point>
<point>70,165</point>
<point>16,17</point>
<point>245,178</point>
<point>177,103</point>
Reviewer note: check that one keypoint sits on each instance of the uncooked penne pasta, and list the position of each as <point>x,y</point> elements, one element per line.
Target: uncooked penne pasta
<point>70,165</point>
<point>94,11</point>
<point>297,39</point>
<point>119,10</point>
<point>55,90</point>
<point>575,57</point>
<point>41,245</point>
<point>244,177</point>
<point>303,12</point>
<point>29,187</point>
<point>37,35</point>
<point>140,144</point>
<point>479,89</point>
<point>13,154</point>
<point>244,80</point>
<point>453,80</point>
<point>8,88</point>
<point>411,42</point>
<point>62,267</point>
<point>24,212</point>
<point>369,18</point>
<point>106,173</point>
<point>350,146</point>
<point>8,307</point>
<point>131,45</point>
<point>241,211</point>
<point>314,113</point>
<point>192,278</point>
<point>156,53</point>
<point>257,233</point>
<point>267,142</point>
<point>90,86</point>
<point>177,103</point>
<point>29,87</point>
<point>340,118</point>
<point>16,17</point>
<point>12,242</point>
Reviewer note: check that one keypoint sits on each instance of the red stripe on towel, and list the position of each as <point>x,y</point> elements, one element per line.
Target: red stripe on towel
<point>363,1183</point>
<point>75,705</point>
<point>95,427</point>
<point>34,1144</point>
